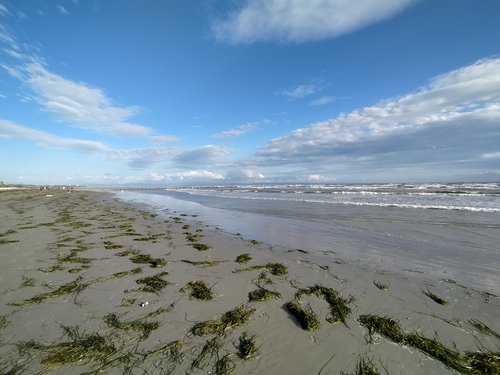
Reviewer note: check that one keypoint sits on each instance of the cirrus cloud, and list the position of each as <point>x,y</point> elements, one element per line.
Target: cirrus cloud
<point>295,21</point>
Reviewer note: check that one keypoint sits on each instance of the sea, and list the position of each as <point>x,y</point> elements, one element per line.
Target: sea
<point>442,231</point>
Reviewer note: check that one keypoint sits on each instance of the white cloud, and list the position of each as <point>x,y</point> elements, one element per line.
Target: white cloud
<point>316,178</point>
<point>10,129</point>
<point>62,10</point>
<point>299,21</point>
<point>236,132</point>
<point>323,100</point>
<point>300,91</point>
<point>79,104</point>
<point>3,10</point>
<point>187,175</point>
<point>245,174</point>
<point>453,119</point>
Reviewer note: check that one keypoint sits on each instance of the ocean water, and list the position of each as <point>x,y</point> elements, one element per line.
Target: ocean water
<point>438,230</point>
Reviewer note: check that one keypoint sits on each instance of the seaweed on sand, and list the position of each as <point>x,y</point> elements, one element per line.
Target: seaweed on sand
<point>247,346</point>
<point>27,282</point>
<point>198,290</point>
<point>307,318</point>
<point>81,346</point>
<point>384,326</point>
<point>109,245</point>
<point>380,285</point>
<point>210,348</point>
<point>483,328</point>
<point>153,284</point>
<point>229,320</point>
<point>3,322</point>
<point>73,287</point>
<point>277,269</point>
<point>224,366</point>
<point>435,297</point>
<point>262,294</point>
<point>146,328</point>
<point>201,246</point>
<point>339,306</point>
<point>148,259</point>
<point>243,258</point>
<point>119,275</point>
<point>465,363</point>
<point>203,263</point>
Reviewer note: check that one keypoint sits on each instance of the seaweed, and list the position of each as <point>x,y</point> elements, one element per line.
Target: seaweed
<point>211,348</point>
<point>243,258</point>
<point>229,320</point>
<point>483,328</point>
<point>146,328</point>
<point>467,363</point>
<point>380,285</point>
<point>3,322</point>
<point>121,274</point>
<point>108,245</point>
<point>435,298</point>
<point>224,366</point>
<point>80,347</point>
<point>153,284</point>
<point>27,282</point>
<point>262,294</point>
<point>247,346</point>
<point>198,290</point>
<point>339,306</point>
<point>154,238</point>
<point>307,318</point>
<point>365,366</point>
<point>254,242</point>
<point>435,349</point>
<point>203,263</point>
<point>201,246</point>
<point>277,269</point>
<point>263,279</point>
<point>57,267</point>
<point>124,253</point>
<point>148,259</point>
<point>73,287</point>
<point>384,326</point>
<point>5,242</point>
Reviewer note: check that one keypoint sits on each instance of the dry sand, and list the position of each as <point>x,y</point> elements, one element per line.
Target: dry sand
<point>70,302</point>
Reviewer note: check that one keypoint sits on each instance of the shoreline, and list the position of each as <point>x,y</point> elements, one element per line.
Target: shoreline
<point>84,265</point>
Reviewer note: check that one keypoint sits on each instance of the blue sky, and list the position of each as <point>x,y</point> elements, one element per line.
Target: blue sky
<point>214,92</point>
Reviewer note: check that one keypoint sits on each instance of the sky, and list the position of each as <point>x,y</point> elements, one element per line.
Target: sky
<point>181,92</point>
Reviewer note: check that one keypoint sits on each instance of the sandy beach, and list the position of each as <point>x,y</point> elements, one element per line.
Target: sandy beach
<point>90,284</point>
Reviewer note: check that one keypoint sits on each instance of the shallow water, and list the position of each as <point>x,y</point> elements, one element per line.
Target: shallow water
<point>461,244</point>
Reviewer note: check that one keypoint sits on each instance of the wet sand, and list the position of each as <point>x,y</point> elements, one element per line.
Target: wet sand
<point>74,298</point>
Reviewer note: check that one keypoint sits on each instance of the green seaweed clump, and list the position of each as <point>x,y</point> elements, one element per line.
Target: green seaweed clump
<point>121,274</point>
<point>365,366</point>
<point>436,350</point>
<point>339,306</point>
<point>384,326</point>
<point>153,284</point>
<point>483,328</point>
<point>307,318</point>
<point>262,294</point>
<point>277,269</point>
<point>146,328</point>
<point>203,263</point>
<point>211,348</point>
<point>198,290</point>
<point>109,245</point>
<point>73,287</point>
<point>230,319</point>
<point>380,285</point>
<point>80,347</point>
<point>224,366</point>
<point>201,246</point>
<point>243,258</point>
<point>148,259</point>
<point>435,298</point>
<point>247,347</point>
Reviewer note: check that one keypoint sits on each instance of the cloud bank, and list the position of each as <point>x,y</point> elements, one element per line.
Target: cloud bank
<point>295,21</point>
<point>454,119</point>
